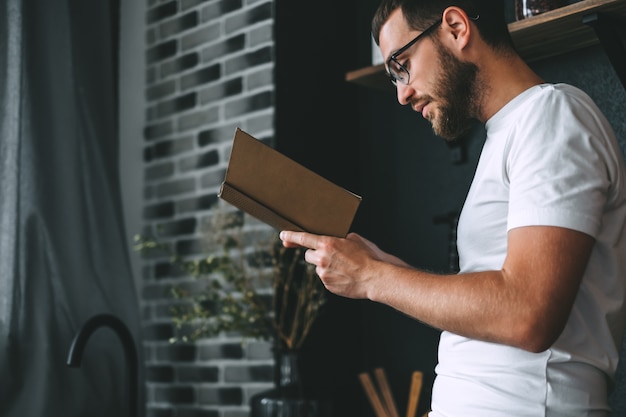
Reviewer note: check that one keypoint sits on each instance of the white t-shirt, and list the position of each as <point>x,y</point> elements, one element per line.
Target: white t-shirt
<point>550,158</point>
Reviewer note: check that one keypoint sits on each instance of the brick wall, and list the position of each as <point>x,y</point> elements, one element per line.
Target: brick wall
<point>209,69</point>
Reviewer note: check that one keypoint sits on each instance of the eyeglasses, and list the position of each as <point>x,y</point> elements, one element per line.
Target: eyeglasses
<point>398,72</point>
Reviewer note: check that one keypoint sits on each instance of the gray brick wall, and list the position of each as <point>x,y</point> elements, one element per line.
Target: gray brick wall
<point>209,69</point>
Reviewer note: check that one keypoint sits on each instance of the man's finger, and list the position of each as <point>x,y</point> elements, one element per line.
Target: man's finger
<point>297,239</point>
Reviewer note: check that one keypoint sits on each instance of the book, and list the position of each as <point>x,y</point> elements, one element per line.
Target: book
<point>284,194</point>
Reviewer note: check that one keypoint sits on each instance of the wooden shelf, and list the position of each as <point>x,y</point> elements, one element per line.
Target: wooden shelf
<point>537,37</point>
<point>374,76</point>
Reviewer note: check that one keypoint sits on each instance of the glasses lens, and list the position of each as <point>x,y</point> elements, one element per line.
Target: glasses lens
<point>398,73</point>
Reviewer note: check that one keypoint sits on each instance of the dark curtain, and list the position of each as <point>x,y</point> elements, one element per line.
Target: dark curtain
<point>63,254</point>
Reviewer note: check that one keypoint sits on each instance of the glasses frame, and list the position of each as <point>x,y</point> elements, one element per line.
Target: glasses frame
<point>394,57</point>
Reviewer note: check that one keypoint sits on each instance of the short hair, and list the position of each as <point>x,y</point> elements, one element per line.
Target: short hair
<point>419,14</point>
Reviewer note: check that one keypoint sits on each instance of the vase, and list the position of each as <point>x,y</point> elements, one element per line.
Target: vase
<point>287,398</point>
<point>527,8</point>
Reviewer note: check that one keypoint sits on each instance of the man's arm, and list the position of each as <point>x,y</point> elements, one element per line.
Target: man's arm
<point>525,304</point>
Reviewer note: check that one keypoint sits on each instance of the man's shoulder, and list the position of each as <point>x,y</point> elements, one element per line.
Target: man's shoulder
<point>563,91</point>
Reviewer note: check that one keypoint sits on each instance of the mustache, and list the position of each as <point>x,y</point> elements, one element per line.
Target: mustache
<point>418,103</point>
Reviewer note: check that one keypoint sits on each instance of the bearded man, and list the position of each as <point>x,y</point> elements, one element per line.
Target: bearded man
<point>533,322</point>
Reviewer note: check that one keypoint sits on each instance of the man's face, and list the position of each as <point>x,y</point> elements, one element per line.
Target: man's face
<point>440,86</point>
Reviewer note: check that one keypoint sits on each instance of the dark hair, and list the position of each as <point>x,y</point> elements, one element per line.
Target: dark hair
<point>419,14</point>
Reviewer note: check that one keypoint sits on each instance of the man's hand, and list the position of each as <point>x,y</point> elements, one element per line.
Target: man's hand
<point>343,265</point>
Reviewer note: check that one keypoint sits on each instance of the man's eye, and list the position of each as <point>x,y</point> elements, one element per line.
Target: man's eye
<point>396,66</point>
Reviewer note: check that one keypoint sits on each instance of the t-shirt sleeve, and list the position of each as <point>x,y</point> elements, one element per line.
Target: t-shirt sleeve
<point>557,167</point>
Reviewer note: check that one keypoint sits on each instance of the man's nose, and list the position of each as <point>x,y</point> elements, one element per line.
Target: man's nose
<point>404,93</point>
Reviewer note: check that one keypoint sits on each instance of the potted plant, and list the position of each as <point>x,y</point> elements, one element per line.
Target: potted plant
<point>251,286</point>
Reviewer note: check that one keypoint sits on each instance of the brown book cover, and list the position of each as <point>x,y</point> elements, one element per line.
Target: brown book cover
<point>284,194</point>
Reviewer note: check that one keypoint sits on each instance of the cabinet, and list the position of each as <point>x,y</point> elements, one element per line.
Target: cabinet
<point>581,24</point>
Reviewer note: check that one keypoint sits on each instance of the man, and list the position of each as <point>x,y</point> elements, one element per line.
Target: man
<point>532,324</point>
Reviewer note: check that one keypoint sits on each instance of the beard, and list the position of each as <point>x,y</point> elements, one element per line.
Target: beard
<point>457,91</point>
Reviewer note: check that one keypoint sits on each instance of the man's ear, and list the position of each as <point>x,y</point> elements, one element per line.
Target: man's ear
<point>456,28</point>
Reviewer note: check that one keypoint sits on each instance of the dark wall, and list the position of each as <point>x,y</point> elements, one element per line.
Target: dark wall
<point>365,141</point>
<point>316,124</point>
<point>354,136</point>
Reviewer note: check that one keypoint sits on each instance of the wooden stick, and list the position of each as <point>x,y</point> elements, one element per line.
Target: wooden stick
<point>414,393</point>
<point>388,400</point>
<point>372,395</point>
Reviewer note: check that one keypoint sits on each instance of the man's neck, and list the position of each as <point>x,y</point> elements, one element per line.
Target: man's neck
<point>504,78</point>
